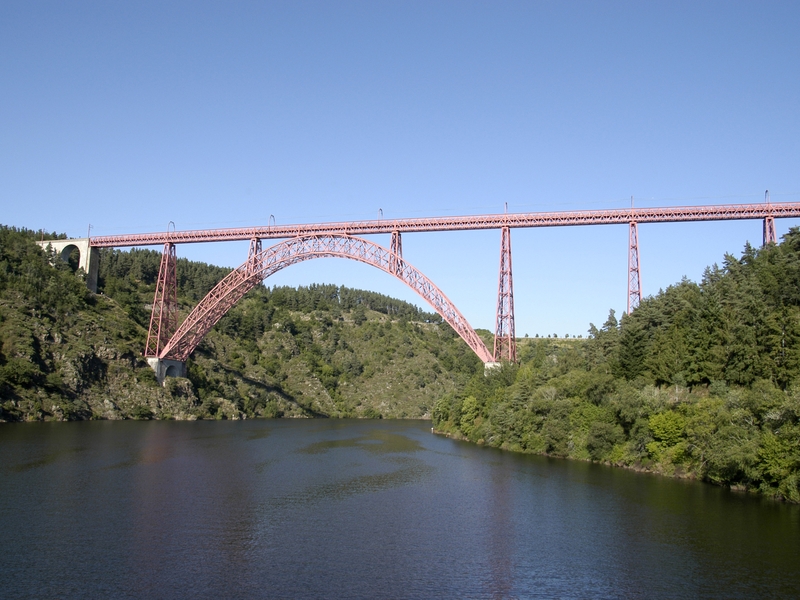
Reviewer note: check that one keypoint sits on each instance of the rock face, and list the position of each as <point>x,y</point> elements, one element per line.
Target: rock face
<point>81,366</point>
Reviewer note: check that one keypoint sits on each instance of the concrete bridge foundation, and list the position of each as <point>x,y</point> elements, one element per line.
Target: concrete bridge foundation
<point>89,256</point>
<point>166,368</point>
<point>488,367</point>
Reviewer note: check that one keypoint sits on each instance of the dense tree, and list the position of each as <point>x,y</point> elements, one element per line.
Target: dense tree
<point>701,380</point>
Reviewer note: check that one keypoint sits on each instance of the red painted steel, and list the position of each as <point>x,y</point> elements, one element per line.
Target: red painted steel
<point>396,249</point>
<point>497,221</point>
<point>267,262</point>
<point>769,224</point>
<point>505,341</point>
<point>255,250</point>
<point>164,316</point>
<point>634,275</point>
<point>769,231</point>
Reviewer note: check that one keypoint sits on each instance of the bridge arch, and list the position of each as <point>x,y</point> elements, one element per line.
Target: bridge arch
<point>262,264</point>
<point>67,254</point>
<point>88,260</point>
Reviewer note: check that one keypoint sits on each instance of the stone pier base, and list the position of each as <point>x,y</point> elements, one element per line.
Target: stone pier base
<point>166,368</point>
<point>488,367</point>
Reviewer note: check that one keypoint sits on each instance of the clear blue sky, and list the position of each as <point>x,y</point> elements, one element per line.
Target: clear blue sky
<point>128,115</point>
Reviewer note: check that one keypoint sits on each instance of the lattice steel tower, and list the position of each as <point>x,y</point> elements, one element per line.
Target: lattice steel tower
<point>505,342</point>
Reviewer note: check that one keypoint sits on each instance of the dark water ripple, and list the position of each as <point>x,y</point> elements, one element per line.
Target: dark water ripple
<point>362,509</point>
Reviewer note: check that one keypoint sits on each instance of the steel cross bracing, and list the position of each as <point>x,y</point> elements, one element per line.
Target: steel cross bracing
<point>262,264</point>
<point>634,275</point>
<point>769,224</point>
<point>505,341</point>
<point>164,316</point>
<point>396,250</point>
<point>769,231</point>
<point>496,221</point>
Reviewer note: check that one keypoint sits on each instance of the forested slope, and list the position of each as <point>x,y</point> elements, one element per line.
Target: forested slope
<point>316,351</point>
<point>702,380</point>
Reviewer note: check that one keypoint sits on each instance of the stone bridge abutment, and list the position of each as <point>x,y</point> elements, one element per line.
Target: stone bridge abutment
<point>89,256</point>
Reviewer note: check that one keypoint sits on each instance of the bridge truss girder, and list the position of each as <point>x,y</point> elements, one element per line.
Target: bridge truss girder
<point>472,222</point>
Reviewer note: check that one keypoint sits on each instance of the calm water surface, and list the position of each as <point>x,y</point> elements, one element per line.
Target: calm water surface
<point>362,509</point>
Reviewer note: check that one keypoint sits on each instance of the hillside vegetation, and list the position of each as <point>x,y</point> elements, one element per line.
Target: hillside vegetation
<point>702,380</point>
<point>315,351</point>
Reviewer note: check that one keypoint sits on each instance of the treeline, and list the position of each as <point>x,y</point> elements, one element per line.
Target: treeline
<point>333,298</point>
<point>276,305</point>
<point>130,278</point>
<point>741,324</point>
<point>702,380</point>
<point>137,266</point>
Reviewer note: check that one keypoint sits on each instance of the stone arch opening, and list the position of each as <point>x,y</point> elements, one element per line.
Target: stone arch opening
<point>172,371</point>
<point>78,253</point>
<point>259,266</point>
<point>71,255</point>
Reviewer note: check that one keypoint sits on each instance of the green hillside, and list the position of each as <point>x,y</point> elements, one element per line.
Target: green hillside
<point>702,380</point>
<point>316,351</point>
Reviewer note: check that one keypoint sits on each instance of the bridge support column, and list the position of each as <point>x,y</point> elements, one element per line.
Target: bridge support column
<point>769,224</point>
<point>634,276</point>
<point>252,260</point>
<point>164,316</point>
<point>396,253</point>
<point>505,341</point>
<point>89,257</point>
<point>166,368</point>
<point>769,231</point>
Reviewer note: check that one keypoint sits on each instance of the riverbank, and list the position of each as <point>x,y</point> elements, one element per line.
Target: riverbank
<point>637,468</point>
<point>700,381</point>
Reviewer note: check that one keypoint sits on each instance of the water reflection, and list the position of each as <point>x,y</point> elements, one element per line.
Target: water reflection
<point>409,472</point>
<point>190,495</point>
<point>376,441</point>
<point>362,509</point>
<point>501,532</point>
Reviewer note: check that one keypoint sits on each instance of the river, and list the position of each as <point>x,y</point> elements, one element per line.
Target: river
<point>362,509</point>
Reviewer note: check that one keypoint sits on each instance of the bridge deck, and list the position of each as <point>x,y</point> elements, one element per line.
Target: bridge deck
<point>497,221</point>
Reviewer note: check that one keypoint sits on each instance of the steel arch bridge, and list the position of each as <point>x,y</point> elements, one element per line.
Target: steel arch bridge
<point>177,346</point>
<point>169,345</point>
